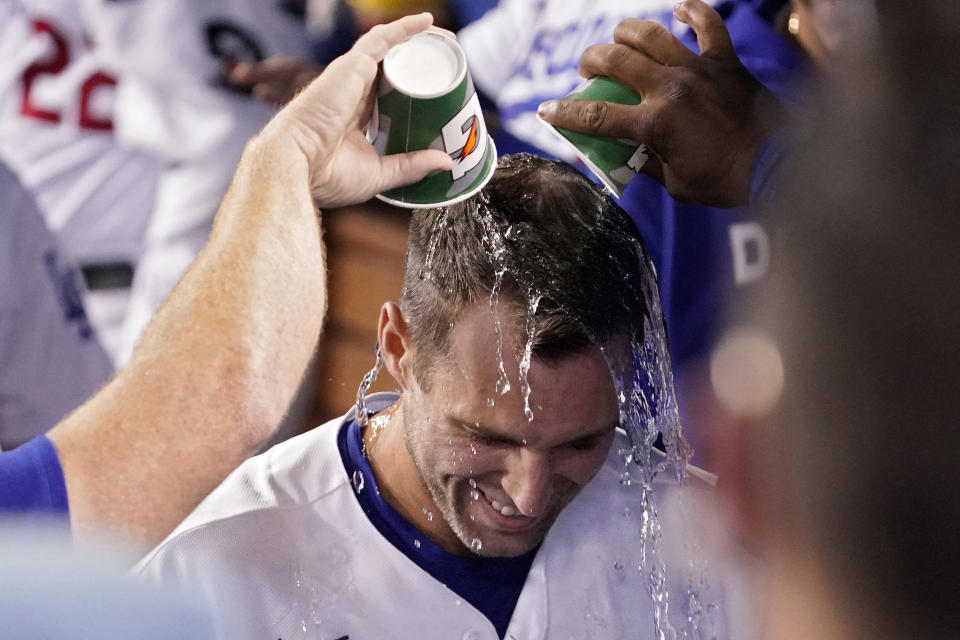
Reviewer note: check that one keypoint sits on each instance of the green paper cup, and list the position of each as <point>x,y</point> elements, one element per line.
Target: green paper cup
<point>614,161</point>
<point>426,100</point>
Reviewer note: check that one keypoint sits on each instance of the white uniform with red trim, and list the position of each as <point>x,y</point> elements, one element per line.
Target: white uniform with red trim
<point>115,115</point>
<point>56,134</point>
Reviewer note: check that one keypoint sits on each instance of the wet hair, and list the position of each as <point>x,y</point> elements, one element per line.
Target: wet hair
<point>563,259</point>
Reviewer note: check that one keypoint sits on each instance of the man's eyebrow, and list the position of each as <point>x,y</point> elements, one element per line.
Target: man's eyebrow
<point>492,434</point>
<point>594,435</point>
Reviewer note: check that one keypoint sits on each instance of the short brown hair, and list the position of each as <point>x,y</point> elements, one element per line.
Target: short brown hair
<point>556,238</point>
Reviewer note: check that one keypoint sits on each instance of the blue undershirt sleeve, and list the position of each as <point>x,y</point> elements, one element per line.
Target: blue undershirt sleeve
<point>31,479</point>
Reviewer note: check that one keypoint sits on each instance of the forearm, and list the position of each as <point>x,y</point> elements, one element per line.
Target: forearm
<point>248,313</point>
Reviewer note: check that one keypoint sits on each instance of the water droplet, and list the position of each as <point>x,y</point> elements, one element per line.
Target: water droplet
<point>458,602</point>
<point>476,545</point>
<point>475,495</point>
<point>490,402</point>
<point>357,480</point>
<point>618,565</point>
<point>626,479</point>
<point>473,483</point>
<point>360,411</point>
<point>416,543</point>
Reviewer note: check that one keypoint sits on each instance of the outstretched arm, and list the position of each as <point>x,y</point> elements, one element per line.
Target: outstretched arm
<point>222,358</point>
<point>703,117</point>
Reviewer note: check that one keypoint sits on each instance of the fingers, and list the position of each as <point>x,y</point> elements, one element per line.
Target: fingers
<point>712,34</point>
<point>249,73</point>
<point>350,77</point>
<point>376,42</point>
<point>652,39</point>
<point>608,119</point>
<point>406,168</point>
<point>622,63</point>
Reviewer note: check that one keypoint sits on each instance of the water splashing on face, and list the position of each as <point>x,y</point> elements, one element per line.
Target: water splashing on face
<point>638,360</point>
<point>534,303</point>
<point>498,253</point>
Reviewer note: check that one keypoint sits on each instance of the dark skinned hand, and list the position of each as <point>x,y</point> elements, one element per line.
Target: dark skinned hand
<point>702,117</point>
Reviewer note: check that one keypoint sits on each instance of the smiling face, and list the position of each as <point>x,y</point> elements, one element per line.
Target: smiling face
<point>492,474</point>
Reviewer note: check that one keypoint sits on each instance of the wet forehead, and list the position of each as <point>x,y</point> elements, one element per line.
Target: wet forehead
<point>573,396</point>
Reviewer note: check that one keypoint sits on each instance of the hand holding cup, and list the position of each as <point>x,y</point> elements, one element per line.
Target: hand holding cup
<point>702,117</point>
<point>326,124</point>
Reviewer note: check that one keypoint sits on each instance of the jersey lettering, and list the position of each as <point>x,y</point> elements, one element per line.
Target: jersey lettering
<point>230,43</point>
<point>55,64</point>
<point>750,246</point>
<point>64,279</point>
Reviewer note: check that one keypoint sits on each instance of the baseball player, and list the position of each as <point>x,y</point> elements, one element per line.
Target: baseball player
<point>182,108</point>
<point>453,509</point>
<point>57,135</point>
<point>707,259</point>
<point>120,118</point>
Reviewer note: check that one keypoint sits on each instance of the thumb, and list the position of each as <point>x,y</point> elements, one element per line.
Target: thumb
<point>397,170</point>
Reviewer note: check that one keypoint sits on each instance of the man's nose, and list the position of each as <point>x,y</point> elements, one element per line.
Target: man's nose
<point>527,481</point>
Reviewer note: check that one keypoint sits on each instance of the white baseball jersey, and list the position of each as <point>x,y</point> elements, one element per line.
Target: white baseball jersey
<point>283,549</point>
<point>115,114</point>
<point>526,51</point>
<point>50,360</point>
<point>177,106</point>
<point>56,133</point>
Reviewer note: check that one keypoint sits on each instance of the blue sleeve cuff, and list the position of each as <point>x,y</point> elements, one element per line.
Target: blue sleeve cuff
<point>31,479</point>
<point>766,165</point>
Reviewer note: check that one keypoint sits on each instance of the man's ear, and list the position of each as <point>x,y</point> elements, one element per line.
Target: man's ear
<point>394,339</point>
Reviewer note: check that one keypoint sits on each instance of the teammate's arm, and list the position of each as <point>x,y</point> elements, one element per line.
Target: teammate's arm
<point>703,118</point>
<point>221,360</point>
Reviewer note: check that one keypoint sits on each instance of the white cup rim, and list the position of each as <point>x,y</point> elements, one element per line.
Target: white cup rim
<point>448,41</point>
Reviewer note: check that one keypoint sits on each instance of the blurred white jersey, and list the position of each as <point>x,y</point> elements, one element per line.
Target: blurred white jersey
<point>172,101</point>
<point>304,560</point>
<point>115,114</point>
<point>50,361</point>
<point>56,133</point>
<point>525,51</point>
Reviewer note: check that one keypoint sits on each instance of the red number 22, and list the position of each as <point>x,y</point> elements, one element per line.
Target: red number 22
<point>55,64</point>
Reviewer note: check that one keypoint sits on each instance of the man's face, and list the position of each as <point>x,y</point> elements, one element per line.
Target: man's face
<point>498,479</point>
